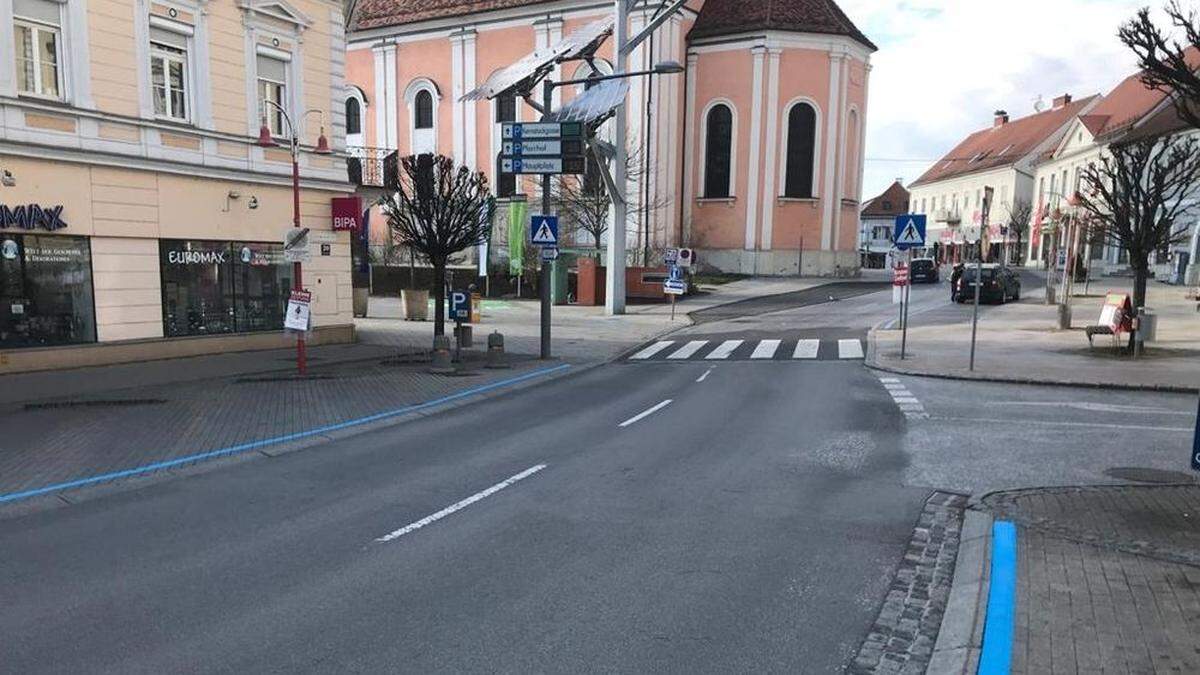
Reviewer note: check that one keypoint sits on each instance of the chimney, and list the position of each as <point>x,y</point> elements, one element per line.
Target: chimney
<point>1001,118</point>
<point>1062,101</point>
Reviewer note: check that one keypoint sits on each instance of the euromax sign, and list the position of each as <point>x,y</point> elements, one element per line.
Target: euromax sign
<point>32,217</point>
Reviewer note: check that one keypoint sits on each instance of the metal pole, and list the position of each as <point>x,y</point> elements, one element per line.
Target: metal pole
<point>614,281</point>
<point>906,299</point>
<point>1196,443</point>
<point>975,313</point>
<point>297,272</point>
<point>547,103</point>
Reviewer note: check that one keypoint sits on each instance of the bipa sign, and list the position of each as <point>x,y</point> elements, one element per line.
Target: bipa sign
<point>347,213</point>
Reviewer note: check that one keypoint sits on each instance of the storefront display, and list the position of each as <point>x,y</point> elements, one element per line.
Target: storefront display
<point>46,294</point>
<point>216,287</point>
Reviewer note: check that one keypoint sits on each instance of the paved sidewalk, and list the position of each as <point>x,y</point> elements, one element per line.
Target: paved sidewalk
<point>1020,342</point>
<point>1108,578</point>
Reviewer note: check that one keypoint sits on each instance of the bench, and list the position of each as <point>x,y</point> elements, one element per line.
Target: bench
<point>1115,319</point>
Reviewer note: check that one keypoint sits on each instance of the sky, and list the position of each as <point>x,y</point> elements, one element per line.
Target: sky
<point>944,66</point>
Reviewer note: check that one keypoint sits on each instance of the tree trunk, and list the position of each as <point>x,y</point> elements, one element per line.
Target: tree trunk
<point>1141,275</point>
<point>439,298</point>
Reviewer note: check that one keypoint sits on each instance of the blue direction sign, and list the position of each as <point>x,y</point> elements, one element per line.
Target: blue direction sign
<point>674,287</point>
<point>460,306</point>
<point>543,230</point>
<point>909,232</point>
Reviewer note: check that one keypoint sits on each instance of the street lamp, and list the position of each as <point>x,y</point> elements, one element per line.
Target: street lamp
<point>266,140</point>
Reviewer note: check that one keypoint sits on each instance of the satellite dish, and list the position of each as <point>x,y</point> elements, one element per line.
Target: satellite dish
<point>1039,103</point>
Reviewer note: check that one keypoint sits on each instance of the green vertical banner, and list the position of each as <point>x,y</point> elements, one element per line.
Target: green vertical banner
<point>517,214</point>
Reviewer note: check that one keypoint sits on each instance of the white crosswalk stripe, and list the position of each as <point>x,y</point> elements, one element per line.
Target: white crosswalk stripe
<point>807,349</point>
<point>725,349</point>
<point>651,350</point>
<point>766,349</point>
<point>686,351</point>
<point>850,349</point>
<point>708,349</point>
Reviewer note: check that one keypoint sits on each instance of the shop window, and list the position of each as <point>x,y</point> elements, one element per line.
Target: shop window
<point>216,287</point>
<point>46,295</point>
<point>169,78</point>
<point>37,29</point>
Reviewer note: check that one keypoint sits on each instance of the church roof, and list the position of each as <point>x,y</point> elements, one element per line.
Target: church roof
<point>380,13</point>
<point>729,17</point>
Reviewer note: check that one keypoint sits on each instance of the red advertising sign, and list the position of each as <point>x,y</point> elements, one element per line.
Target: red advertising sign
<point>1117,313</point>
<point>901,275</point>
<point>347,213</point>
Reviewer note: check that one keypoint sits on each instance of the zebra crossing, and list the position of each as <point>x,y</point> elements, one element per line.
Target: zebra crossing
<point>801,349</point>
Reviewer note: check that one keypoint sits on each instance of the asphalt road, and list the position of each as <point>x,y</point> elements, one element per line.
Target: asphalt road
<point>751,524</point>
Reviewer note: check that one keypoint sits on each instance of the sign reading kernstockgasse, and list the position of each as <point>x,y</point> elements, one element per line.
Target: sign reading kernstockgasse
<point>32,217</point>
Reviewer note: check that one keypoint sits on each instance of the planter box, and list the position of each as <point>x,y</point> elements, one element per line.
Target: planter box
<point>416,305</point>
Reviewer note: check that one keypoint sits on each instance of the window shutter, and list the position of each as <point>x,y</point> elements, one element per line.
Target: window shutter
<point>272,69</point>
<point>38,10</point>
<point>168,37</point>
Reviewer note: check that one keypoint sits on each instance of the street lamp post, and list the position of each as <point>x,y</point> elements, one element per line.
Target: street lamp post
<point>266,140</point>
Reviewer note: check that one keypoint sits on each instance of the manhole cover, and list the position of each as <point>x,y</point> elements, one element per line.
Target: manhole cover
<point>1149,475</point>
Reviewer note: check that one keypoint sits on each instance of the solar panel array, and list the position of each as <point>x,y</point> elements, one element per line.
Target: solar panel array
<point>521,76</point>
<point>593,104</point>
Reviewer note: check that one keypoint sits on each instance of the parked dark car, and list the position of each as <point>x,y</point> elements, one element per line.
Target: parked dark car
<point>1000,284</point>
<point>924,270</point>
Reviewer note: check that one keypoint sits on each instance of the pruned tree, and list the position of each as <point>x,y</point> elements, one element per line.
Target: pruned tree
<point>1019,214</point>
<point>1140,194</point>
<point>438,210</point>
<point>1163,56</point>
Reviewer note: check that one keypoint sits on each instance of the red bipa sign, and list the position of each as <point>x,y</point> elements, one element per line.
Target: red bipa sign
<point>347,213</point>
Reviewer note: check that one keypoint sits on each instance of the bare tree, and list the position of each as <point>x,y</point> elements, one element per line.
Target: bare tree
<point>584,201</point>
<point>438,210</point>
<point>1019,214</point>
<point>1163,57</point>
<point>1139,194</point>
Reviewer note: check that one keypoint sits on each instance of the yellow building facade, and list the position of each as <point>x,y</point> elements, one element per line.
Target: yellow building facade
<point>139,216</point>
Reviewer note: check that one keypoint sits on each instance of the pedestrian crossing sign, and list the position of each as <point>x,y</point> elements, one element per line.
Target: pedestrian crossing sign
<point>543,230</point>
<point>909,232</point>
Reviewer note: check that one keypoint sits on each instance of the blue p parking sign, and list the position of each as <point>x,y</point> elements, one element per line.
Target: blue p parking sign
<point>460,306</point>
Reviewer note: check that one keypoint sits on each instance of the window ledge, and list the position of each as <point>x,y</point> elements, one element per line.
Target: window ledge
<point>797,200</point>
<point>716,200</point>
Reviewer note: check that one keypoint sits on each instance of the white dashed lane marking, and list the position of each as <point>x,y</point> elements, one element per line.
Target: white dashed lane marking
<point>910,405</point>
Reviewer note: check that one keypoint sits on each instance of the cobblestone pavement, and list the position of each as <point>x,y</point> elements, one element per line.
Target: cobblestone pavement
<point>902,638</point>
<point>68,439</point>
<point>1108,578</point>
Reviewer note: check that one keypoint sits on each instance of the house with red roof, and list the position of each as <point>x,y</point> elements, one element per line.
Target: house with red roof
<point>1003,157</point>
<point>753,156</point>
<point>1130,109</point>
<point>878,222</point>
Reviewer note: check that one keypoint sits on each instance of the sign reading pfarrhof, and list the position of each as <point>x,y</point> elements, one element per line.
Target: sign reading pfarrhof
<point>32,217</point>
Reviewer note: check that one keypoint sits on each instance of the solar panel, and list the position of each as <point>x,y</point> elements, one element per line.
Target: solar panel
<point>521,76</point>
<point>593,104</point>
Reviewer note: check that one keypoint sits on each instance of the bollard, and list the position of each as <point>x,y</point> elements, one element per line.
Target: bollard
<point>441,364</point>
<point>495,351</point>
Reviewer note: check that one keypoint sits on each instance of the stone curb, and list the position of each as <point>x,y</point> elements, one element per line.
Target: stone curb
<point>956,651</point>
<point>872,362</point>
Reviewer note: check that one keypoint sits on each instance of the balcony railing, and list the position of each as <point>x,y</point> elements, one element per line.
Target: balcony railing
<point>947,216</point>
<point>372,167</point>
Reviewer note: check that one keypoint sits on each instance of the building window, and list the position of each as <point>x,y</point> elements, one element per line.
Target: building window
<point>169,79</point>
<point>718,152</point>
<point>506,111</point>
<point>801,149</point>
<point>423,110</point>
<point>272,86</point>
<point>45,291</point>
<point>217,287</point>
<point>37,31</point>
<point>353,116</point>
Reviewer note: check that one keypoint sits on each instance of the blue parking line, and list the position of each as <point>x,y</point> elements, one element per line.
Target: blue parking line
<point>996,657</point>
<point>253,445</point>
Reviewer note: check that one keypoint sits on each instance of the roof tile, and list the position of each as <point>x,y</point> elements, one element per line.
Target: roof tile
<point>727,17</point>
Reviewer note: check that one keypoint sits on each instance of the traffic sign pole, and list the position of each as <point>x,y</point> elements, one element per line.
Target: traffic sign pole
<point>547,104</point>
<point>983,223</point>
<point>1196,442</point>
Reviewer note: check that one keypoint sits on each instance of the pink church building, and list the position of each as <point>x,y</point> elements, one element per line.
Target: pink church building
<point>753,155</point>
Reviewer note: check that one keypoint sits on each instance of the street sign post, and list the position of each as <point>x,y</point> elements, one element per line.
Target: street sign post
<point>674,287</point>
<point>543,148</point>
<point>460,306</point>
<point>525,131</point>
<point>983,224</point>
<point>549,253</point>
<point>1196,443</point>
<point>686,257</point>
<point>544,166</point>
<point>671,256</point>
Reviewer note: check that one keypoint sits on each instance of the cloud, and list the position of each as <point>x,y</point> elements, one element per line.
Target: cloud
<point>944,66</point>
